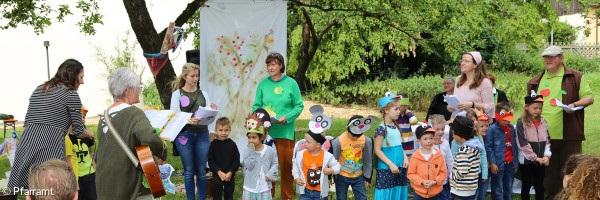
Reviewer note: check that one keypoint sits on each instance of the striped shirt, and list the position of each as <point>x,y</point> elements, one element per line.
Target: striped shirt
<point>465,172</point>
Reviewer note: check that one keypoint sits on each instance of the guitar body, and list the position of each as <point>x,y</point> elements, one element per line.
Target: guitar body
<point>151,171</point>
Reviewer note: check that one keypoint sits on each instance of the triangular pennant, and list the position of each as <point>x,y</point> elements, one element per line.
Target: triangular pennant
<point>156,61</point>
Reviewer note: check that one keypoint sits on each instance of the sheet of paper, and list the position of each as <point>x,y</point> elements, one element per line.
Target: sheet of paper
<point>566,107</point>
<point>207,115</point>
<point>158,118</point>
<point>174,127</point>
<point>452,101</point>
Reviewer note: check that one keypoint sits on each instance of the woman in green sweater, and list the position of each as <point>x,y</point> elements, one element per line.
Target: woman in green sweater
<point>280,96</point>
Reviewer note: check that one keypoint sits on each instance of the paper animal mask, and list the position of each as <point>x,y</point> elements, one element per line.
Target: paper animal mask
<point>319,122</point>
<point>360,125</point>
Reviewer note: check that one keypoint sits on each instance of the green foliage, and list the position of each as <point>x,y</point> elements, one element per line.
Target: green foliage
<point>420,90</point>
<point>38,14</point>
<point>150,96</point>
<point>514,85</point>
<point>563,33</point>
<point>582,63</point>
<point>529,62</point>
<point>123,55</point>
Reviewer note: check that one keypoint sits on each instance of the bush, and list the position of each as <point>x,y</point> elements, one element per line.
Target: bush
<point>581,63</point>
<point>420,90</point>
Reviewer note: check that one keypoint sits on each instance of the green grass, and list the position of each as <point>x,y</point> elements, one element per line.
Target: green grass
<point>590,145</point>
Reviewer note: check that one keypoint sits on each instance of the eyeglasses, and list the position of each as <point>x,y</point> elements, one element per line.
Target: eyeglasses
<point>465,61</point>
<point>448,83</point>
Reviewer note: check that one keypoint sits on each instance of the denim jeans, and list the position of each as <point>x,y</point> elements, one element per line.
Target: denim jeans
<point>445,194</point>
<point>502,182</point>
<point>358,187</point>
<point>193,150</point>
<point>87,187</point>
<point>311,195</point>
<point>482,188</point>
<point>419,197</point>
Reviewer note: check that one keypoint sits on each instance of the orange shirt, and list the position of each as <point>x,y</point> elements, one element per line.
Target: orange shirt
<point>312,168</point>
<point>351,157</point>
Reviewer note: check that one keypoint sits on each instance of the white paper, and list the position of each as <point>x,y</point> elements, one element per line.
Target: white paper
<point>174,127</point>
<point>566,107</point>
<point>207,115</point>
<point>158,118</point>
<point>452,101</point>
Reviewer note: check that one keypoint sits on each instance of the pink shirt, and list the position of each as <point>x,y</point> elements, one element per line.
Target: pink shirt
<point>482,94</point>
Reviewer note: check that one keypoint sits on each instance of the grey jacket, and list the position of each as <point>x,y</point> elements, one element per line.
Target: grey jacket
<point>367,167</point>
<point>252,165</point>
<point>328,162</point>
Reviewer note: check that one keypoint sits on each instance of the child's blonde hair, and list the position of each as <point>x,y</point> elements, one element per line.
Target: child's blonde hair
<point>527,117</point>
<point>387,107</point>
<point>179,82</point>
<point>472,114</point>
<point>436,119</point>
<point>584,181</point>
<point>222,121</point>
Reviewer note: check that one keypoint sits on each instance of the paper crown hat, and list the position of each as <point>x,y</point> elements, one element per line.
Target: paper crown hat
<point>257,121</point>
<point>319,122</point>
<point>533,97</point>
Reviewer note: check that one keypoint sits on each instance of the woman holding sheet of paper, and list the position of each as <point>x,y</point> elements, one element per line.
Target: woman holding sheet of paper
<point>280,96</point>
<point>473,88</point>
<point>193,141</point>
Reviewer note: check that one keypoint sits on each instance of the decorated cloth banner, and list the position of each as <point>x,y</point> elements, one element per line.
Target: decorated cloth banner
<point>235,39</point>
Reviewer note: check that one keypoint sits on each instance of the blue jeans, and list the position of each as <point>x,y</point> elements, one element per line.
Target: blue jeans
<point>193,150</point>
<point>445,194</point>
<point>358,187</point>
<point>419,197</point>
<point>482,188</point>
<point>502,182</point>
<point>311,195</point>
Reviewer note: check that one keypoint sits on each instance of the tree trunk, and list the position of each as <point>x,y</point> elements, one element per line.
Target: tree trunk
<point>151,41</point>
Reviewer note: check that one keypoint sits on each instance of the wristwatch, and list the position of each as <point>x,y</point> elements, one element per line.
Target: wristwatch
<point>473,104</point>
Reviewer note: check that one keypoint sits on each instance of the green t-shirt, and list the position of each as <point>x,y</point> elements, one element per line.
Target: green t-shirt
<point>281,98</point>
<point>554,114</point>
<point>83,157</point>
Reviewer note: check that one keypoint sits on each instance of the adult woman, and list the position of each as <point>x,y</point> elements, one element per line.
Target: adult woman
<point>473,88</point>
<point>280,96</point>
<point>117,177</point>
<point>438,105</point>
<point>193,140</point>
<point>53,107</point>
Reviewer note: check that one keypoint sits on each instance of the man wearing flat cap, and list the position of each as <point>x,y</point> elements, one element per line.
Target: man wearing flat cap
<point>558,82</point>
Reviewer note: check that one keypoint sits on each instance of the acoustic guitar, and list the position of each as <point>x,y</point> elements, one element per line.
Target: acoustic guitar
<point>146,161</point>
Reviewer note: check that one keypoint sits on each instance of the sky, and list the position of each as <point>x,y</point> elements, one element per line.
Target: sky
<point>24,66</point>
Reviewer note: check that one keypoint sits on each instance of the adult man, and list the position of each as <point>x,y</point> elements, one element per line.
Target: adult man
<point>52,180</point>
<point>565,127</point>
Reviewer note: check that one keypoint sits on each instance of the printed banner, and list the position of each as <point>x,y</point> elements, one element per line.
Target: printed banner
<point>235,39</point>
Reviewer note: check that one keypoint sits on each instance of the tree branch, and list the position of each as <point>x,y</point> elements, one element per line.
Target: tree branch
<point>308,21</point>
<point>188,12</point>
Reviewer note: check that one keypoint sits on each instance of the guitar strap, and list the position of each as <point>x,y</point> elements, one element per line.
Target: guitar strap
<point>120,141</point>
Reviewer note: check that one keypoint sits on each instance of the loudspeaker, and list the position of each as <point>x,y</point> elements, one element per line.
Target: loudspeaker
<point>193,56</point>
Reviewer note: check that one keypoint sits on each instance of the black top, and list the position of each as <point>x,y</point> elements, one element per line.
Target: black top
<point>223,155</point>
<point>439,106</point>
<point>501,96</point>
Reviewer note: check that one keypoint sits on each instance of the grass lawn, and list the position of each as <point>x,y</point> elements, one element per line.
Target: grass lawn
<point>590,146</point>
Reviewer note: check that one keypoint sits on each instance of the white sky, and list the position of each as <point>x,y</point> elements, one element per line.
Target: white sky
<point>24,55</point>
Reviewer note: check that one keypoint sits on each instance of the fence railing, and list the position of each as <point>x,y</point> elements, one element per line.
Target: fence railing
<point>590,50</point>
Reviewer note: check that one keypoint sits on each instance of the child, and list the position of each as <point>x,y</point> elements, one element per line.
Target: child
<point>479,120</point>
<point>482,127</point>
<point>404,121</point>
<point>463,178</point>
<point>354,151</point>
<point>438,123</point>
<point>502,151</point>
<point>427,169</point>
<point>584,181</point>
<point>571,164</point>
<point>260,161</point>
<point>223,160</point>
<point>534,146</point>
<point>86,164</point>
<point>311,167</point>
<point>391,182</point>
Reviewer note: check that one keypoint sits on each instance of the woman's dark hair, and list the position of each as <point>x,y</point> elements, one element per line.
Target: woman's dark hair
<point>463,127</point>
<point>67,74</point>
<point>278,58</point>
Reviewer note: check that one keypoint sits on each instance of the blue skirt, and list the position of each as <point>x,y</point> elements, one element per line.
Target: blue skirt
<point>389,185</point>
